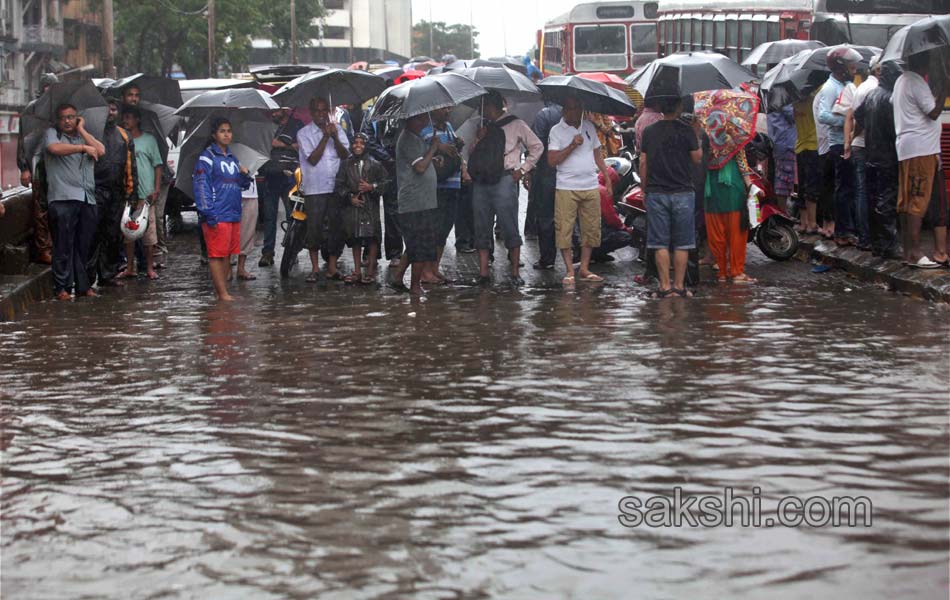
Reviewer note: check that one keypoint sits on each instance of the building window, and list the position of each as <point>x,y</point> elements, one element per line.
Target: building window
<point>334,4</point>
<point>333,32</point>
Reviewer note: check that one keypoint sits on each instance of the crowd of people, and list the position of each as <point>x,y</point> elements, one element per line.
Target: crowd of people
<point>854,157</point>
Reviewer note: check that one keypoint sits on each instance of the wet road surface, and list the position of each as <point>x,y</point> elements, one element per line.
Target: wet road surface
<point>349,442</point>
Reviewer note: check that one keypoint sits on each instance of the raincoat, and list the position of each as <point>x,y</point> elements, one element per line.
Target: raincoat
<point>217,184</point>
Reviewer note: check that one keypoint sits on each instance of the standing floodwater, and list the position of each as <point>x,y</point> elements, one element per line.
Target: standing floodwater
<point>336,441</point>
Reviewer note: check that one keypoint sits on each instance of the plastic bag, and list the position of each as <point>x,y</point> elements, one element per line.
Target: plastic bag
<point>752,205</point>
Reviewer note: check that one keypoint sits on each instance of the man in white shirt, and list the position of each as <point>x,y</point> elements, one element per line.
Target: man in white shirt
<point>322,145</point>
<point>918,148</point>
<point>574,149</point>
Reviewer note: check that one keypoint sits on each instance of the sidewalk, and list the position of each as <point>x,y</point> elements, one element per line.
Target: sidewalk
<point>17,292</point>
<point>933,285</point>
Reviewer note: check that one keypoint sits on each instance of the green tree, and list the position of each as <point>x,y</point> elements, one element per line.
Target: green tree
<point>454,39</point>
<point>153,36</point>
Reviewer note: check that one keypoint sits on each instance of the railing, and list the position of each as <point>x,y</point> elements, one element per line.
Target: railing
<point>42,35</point>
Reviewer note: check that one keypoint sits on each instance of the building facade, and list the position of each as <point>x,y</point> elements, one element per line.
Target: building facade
<point>353,30</point>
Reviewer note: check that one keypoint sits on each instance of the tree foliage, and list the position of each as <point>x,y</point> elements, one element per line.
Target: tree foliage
<point>446,39</point>
<point>153,36</point>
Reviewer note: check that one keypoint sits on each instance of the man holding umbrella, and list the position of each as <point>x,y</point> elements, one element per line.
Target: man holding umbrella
<point>322,146</point>
<point>574,149</point>
<point>41,233</point>
<point>276,182</point>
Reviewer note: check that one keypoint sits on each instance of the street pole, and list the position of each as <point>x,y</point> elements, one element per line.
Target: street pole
<point>108,41</point>
<point>352,8</point>
<point>471,32</point>
<point>293,32</point>
<point>212,69</point>
<point>431,45</point>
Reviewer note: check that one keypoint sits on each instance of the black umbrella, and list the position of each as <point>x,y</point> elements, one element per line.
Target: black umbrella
<point>508,83</point>
<point>234,98</point>
<point>424,95</point>
<point>40,114</point>
<point>814,60</point>
<point>925,34</point>
<point>389,73</point>
<point>593,95</point>
<point>772,52</point>
<point>157,90</point>
<point>785,83</point>
<point>686,73</point>
<point>511,63</point>
<point>337,86</point>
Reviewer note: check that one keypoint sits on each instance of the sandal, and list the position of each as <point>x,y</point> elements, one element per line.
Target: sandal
<point>925,263</point>
<point>127,275</point>
<point>683,293</point>
<point>744,279</point>
<point>247,277</point>
<point>335,277</point>
<point>569,280</point>
<point>352,278</point>
<point>313,277</point>
<point>366,280</point>
<point>592,277</point>
<point>661,293</point>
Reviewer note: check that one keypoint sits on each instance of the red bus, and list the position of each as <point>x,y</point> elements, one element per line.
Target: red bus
<point>614,37</point>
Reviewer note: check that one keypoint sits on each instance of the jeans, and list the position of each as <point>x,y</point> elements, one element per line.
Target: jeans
<point>844,193</point>
<point>73,225</point>
<point>273,189</point>
<point>545,219</point>
<point>496,200</point>
<point>448,207</point>
<point>671,220</point>
<point>862,204</point>
<point>104,255</point>
<point>882,183</point>
<point>464,219</point>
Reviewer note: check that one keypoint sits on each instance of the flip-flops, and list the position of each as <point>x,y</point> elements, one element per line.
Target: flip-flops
<point>569,280</point>
<point>925,263</point>
<point>592,278</point>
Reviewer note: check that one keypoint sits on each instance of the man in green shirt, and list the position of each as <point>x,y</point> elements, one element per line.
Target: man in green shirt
<point>148,164</point>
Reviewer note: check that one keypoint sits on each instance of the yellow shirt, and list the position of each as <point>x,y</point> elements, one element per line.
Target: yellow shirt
<point>805,126</point>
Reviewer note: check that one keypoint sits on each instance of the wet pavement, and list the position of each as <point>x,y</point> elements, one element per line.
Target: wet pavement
<point>341,441</point>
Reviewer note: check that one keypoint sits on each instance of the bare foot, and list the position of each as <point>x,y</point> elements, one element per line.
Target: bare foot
<point>63,296</point>
<point>152,275</point>
<point>226,298</point>
<point>90,294</point>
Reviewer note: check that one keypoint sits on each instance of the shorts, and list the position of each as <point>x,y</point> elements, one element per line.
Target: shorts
<point>671,221</point>
<point>809,175</point>
<point>571,206</point>
<point>151,234</point>
<point>223,240</point>
<point>916,184</point>
<point>420,232</point>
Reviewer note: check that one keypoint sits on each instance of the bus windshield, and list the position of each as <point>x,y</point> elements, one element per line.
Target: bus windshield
<point>893,7</point>
<point>600,48</point>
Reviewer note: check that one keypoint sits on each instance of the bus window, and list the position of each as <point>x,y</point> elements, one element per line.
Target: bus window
<point>745,36</point>
<point>650,10</point>
<point>600,48</point>
<point>759,30</point>
<point>720,41</point>
<point>643,38</point>
<point>732,33</point>
<point>686,34</point>
<point>554,47</point>
<point>774,32</point>
<point>697,34</point>
<point>708,34</point>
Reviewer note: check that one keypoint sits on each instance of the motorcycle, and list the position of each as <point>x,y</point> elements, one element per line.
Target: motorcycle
<point>295,230</point>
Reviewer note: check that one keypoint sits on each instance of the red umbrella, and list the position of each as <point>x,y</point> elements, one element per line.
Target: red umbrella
<point>408,76</point>
<point>606,79</point>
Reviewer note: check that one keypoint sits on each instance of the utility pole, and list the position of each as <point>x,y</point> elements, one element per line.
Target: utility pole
<point>431,44</point>
<point>212,68</point>
<point>352,8</point>
<point>293,32</point>
<point>471,32</point>
<point>108,41</point>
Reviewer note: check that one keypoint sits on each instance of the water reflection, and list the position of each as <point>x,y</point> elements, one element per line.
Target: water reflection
<point>337,442</point>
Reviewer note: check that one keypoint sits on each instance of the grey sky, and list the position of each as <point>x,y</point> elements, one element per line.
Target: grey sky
<point>497,21</point>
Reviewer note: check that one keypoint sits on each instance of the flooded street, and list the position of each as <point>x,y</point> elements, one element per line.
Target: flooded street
<point>341,441</point>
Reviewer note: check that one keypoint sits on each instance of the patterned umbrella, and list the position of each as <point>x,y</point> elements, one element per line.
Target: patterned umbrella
<point>728,117</point>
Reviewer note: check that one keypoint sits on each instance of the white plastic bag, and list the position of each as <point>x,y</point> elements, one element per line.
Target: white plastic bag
<point>752,205</point>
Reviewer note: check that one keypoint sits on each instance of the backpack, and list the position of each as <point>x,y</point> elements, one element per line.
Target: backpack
<point>447,166</point>
<point>487,162</point>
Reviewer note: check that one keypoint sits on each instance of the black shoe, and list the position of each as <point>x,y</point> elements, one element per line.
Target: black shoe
<point>465,249</point>
<point>484,280</point>
<point>517,281</point>
<point>267,260</point>
<point>540,266</point>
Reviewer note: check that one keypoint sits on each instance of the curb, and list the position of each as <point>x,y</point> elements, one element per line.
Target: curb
<point>18,292</point>
<point>933,285</point>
